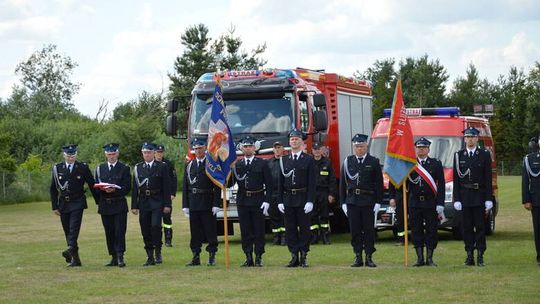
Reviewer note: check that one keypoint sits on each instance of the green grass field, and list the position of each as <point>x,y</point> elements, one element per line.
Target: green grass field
<point>33,271</point>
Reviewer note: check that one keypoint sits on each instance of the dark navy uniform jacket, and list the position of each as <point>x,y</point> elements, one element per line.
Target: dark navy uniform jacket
<point>155,189</point>
<point>172,176</point>
<point>530,185</point>
<point>326,178</point>
<point>72,197</point>
<point>273,165</point>
<point>365,191</point>
<point>299,188</point>
<point>255,179</point>
<point>475,187</point>
<point>202,194</point>
<point>419,192</point>
<point>114,202</point>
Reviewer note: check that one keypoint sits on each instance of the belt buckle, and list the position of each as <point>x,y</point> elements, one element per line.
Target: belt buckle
<point>248,193</point>
<point>147,192</point>
<point>476,186</point>
<point>194,190</point>
<point>66,198</point>
<point>357,191</point>
<point>422,198</point>
<point>293,191</point>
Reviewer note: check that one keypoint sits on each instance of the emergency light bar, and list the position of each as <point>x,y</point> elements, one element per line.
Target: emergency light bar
<point>266,73</point>
<point>444,111</point>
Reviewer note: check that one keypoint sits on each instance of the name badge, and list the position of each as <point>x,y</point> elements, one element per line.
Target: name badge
<point>323,173</point>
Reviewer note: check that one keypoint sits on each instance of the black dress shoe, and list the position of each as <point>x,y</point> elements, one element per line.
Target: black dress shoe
<point>195,261</point>
<point>67,255</point>
<point>258,260</point>
<point>358,261</point>
<point>120,261</point>
<point>113,262</point>
<point>211,259</point>
<point>149,262</point>
<point>480,259</point>
<point>469,261</point>
<point>420,257</point>
<point>303,259</point>
<point>249,261</point>
<point>294,262</point>
<point>369,261</point>
<point>75,261</point>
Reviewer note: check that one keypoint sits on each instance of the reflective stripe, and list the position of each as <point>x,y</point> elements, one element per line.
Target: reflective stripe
<point>276,230</point>
<point>281,229</point>
<point>325,225</point>
<point>401,233</point>
<point>166,226</point>
<point>314,227</point>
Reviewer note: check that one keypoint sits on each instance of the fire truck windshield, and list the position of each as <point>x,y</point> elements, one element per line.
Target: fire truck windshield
<point>256,114</point>
<point>442,148</point>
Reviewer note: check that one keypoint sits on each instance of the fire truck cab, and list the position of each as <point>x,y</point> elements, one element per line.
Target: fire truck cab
<point>443,127</point>
<point>269,103</point>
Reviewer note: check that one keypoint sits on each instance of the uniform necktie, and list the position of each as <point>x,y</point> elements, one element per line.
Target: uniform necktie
<point>360,159</point>
<point>248,162</point>
<point>422,162</point>
<point>111,167</point>
<point>70,167</point>
<point>295,157</point>
<point>199,163</point>
<point>470,154</point>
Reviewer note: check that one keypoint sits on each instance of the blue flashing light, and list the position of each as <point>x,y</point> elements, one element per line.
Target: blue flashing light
<point>285,74</point>
<point>206,77</point>
<point>443,111</point>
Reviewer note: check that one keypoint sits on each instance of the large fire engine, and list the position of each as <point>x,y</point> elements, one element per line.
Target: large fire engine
<point>443,127</point>
<point>268,103</point>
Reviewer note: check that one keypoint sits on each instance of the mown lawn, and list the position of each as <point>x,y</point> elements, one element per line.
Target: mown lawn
<point>32,270</point>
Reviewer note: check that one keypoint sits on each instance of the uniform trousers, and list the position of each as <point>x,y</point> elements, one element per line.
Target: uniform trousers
<point>474,228</point>
<point>276,217</point>
<point>319,218</point>
<point>536,226</point>
<point>297,229</point>
<point>424,222</point>
<point>71,223</point>
<point>252,229</point>
<point>150,221</point>
<point>115,226</point>
<point>361,223</point>
<point>203,226</point>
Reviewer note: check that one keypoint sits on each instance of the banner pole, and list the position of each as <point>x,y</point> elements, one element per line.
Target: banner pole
<point>405,226</point>
<point>225,227</point>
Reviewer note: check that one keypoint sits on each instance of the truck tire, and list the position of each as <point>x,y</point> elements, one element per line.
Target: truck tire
<point>490,223</point>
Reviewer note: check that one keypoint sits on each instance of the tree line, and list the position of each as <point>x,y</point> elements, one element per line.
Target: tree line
<point>39,117</point>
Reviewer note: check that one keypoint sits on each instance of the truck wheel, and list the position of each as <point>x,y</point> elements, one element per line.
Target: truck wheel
<point>490,223</point>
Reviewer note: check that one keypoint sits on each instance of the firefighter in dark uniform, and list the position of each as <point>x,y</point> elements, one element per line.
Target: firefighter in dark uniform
<point>200,202</point>
<point>150,199</point>
<point>425,205</point>
<point>297,188</point>
<point>326,194</point>
<point>361,192</point>
<point>530,192</point>
<point>254,180</point>
<point>113,205</point>
<point>68,199</point>
<point>276,217</point>
<point>167,222</point>
<point>473,194</point>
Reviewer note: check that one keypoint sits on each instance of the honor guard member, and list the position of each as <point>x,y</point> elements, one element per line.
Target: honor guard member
<point>200,202</point>
<point>425,195</point>
<point>473,194</point>
<point>326,194</point>
<point>68,199</point>
<point>297,189</point>
<point>361,191</point>
<point>167,222</point>
<point>150,199</point>
<point>113,205</point>
<point>530,192</point>
<point>254,180</point>
<point>276,217</point>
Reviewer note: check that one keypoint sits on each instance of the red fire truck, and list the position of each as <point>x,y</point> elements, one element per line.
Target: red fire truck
<point>269,103</point>
<point>443,127</point>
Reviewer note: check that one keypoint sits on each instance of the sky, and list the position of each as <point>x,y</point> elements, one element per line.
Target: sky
<point>125,47</point>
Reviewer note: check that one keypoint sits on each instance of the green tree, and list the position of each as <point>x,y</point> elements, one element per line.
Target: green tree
<point>147,105</point>
<point>383,77</point>
<point>227,49</point>
<point>469,91</point>
<point>533,102</point>
<point>423,82</point>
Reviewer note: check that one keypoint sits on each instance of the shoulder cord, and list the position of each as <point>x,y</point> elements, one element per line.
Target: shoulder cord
<point>346,167</point>
<point>460,174</point>
<point>283,169</point>
<point>191,181</point>
<point>139,183</point>
<point>528,167</point>
<point>58,184</point>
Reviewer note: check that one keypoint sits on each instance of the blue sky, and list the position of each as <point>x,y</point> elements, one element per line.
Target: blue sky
<point>125,47</point>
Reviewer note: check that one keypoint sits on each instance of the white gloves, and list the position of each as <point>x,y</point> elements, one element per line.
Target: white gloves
<point>215,210</point>
<point>344,208</point>
<point>186,211</point>
<point>265,207</point>
<point>281,208</point>
<point>308,207</point>
<point>488,204</point>
<point>457,206</point>
<point>440,209</point>
<point>376,208</point>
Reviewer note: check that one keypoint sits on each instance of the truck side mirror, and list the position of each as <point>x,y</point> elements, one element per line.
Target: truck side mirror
<point>320,120</point>
<point>172,104</point>
<point>172,125</point>
<point>319,100</point>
